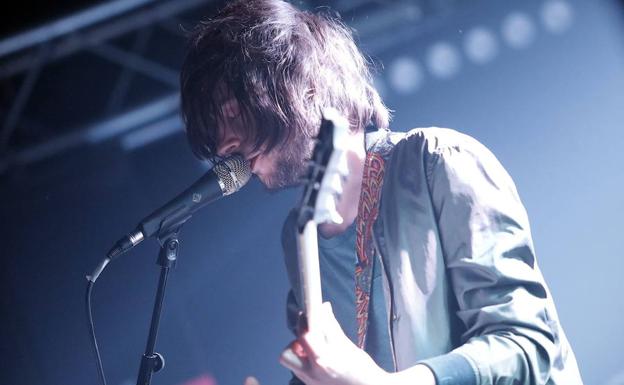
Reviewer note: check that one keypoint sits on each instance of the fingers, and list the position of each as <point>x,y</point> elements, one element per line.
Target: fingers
<point>300,358</point>
<point>314,344</point>
<point>251,381</point>
<point>298,349</point>
<point>291,360</point>
<point>296,362</point>
<point>332,329</point>
<point>313,350</point>
<point>316,341</point>
<point>331,325</point>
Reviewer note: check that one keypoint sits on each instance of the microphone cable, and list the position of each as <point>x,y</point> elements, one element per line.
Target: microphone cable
<point>92,332</point>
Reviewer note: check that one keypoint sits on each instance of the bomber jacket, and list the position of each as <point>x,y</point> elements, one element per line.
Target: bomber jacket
<point>460,288</point>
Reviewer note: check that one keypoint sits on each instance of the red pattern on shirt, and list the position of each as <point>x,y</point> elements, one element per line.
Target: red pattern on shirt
<point>368,209</point>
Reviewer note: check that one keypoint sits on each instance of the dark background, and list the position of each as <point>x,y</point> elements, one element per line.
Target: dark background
<point>91,142</point>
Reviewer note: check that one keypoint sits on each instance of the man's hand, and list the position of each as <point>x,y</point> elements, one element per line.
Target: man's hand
<point>326,356</point>
<point>251,381</point>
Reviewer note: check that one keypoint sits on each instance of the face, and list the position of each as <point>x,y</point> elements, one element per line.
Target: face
<point>281,167</point>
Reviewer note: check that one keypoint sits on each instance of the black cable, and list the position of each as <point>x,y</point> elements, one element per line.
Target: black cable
<point>92,332</point>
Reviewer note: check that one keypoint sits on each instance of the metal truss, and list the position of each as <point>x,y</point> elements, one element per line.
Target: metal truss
<point>98,30</point>
<point>93,30</point>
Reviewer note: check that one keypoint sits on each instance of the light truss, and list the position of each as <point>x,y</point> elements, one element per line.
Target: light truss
<point>94,31</point>
<point>26,54</point>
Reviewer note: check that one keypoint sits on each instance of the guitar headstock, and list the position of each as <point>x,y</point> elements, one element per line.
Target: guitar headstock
<point>327,171</point>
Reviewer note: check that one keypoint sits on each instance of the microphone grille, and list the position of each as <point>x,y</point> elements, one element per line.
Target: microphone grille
<point>233,173</point>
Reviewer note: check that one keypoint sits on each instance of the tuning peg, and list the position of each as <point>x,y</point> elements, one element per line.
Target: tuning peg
<point>335,217</point>
<point>332,185</point>
<point>335,184</point>
<point>326,210</point>
<point>337,196</point>
<point>342,166</point>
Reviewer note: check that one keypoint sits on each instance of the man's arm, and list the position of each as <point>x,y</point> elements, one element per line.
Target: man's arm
<point>326,356</point>
<point>503,301</point>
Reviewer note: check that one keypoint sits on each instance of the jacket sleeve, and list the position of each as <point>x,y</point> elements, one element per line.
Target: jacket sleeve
<point>486,242</point>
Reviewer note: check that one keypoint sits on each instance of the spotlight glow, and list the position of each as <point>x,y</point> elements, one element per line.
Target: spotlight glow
<point>518,30</point>
<point>480,45</point>
<point>405,75</point>
<point>443,60</point>
<point>557,15</point>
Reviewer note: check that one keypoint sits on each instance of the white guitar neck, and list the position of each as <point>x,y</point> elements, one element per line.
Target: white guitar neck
<point>309,273</point>
<point>327,170</point>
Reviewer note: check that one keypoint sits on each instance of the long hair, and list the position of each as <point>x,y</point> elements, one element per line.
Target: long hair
<point>282,65</point>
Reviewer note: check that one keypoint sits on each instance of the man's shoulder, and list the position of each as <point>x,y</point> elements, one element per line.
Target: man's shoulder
<point>432,140</point>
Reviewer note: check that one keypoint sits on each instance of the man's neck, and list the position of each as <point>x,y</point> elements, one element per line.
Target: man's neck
<point>347,206</point>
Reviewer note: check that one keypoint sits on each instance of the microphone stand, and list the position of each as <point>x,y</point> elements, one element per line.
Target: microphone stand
<point>153,362</point>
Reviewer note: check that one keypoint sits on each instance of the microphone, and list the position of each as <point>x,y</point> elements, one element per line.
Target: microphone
<point>225,178</point>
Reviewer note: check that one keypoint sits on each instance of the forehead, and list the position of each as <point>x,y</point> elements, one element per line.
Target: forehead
<point>222,93</point>
<point>230,121</point>
<point>233,117</point>
<point>230,108</point>
<point>225,101</point>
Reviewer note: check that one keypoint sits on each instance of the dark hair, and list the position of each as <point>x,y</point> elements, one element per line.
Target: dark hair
<point>282,65</point>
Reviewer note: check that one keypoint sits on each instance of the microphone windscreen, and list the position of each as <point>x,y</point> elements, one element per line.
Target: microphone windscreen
<point>233,173</point>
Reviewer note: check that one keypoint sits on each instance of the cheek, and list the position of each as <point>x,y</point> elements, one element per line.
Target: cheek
<point>262,164</point>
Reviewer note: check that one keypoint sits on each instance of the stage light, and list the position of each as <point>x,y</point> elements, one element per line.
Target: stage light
<point>480,45</point>
<point>405,75</point>
<point>518,30</point>
<point>443,60</point>
<point>557,15</point>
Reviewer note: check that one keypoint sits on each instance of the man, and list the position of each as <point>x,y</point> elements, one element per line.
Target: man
<point>446,288</point>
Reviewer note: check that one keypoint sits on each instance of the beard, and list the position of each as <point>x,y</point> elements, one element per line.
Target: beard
<point>291,163</point>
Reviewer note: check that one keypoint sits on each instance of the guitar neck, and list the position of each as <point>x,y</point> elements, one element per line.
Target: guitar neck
<point>309,273</point>
<point>328,169</point>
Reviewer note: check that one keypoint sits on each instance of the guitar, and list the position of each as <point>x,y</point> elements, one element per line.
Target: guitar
<point>327,171</point>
